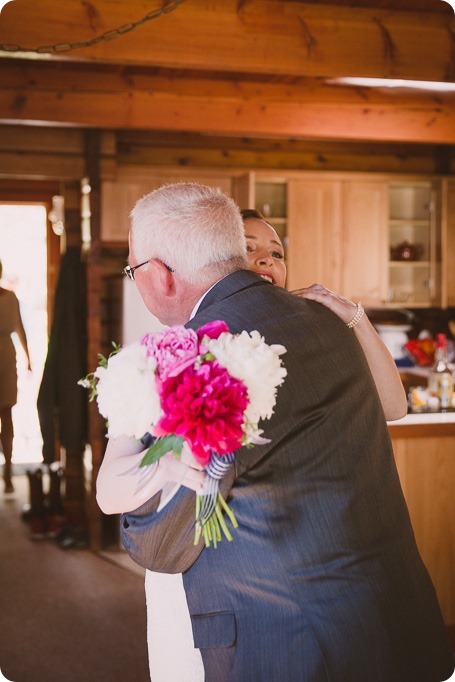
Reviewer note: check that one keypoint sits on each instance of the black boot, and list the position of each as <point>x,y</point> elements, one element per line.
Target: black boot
<point>38,520</point>
<point>56,520</point>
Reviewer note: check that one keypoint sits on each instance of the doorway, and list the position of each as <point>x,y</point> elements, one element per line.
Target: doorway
<point>24,255</point>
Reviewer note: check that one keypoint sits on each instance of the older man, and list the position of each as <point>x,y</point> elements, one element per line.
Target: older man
<point>323,580</point>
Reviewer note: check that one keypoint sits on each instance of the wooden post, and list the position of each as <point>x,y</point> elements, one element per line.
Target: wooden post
<point>96,428</point>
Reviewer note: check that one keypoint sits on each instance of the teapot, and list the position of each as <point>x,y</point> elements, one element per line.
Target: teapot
<point>405,251</point>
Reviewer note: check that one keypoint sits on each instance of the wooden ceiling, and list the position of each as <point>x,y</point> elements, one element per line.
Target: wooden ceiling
<point>260,68</point>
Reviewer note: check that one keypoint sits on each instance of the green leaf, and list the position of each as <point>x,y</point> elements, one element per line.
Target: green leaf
<point>160,447</point>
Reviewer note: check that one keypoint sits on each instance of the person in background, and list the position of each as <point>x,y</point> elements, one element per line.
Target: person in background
<point>323,580</point>
<point>10,322</point>
<point>266,258</point>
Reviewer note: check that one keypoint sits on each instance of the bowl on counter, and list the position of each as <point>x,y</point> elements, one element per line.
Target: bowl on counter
<point>394,337</point>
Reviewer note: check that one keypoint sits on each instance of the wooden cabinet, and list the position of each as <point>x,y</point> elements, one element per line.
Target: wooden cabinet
<point>270,198</point>
<point>335,234</point>
<point>339,229</point>
<point>425,461</point>
<point>448,242</point>
<point>314,233</point>
<point>119,195</point>
<point>414,261</point>
<point>363,244</point>
<point>345,231</point>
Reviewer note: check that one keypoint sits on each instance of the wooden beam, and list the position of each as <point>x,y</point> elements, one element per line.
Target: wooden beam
<point>143,149</point>
<point>386,117</point>
<point>278,37</point>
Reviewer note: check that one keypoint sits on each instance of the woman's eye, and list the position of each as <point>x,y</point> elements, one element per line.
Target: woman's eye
<point>277,254</point>
<point>249,248</point>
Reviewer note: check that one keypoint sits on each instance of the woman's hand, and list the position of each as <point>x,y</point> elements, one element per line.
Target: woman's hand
<point>184,471</point>
<point>123,485</point>
<point>341,306</point>
<point>382,365</point>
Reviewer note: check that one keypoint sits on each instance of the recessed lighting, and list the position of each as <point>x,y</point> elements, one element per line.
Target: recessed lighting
<point>434,86</point>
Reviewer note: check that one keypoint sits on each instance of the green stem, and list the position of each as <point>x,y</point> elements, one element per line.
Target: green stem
<point>223,525</point>
<point>198,530</point>
<point>214,527</point>
<point>227,510</point>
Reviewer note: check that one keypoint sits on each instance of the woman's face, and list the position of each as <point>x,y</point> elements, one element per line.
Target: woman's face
<point>265,251</point>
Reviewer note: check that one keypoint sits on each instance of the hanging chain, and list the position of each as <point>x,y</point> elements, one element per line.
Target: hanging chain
<point>107,35</point>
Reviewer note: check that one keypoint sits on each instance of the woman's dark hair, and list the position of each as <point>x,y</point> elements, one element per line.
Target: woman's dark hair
<point>247,213</point>
<point>251,213</point>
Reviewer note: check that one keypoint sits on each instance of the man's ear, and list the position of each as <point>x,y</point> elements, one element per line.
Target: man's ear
<point>165,277</point>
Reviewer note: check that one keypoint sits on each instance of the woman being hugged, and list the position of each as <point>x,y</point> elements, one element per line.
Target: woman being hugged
<point>266,258</point>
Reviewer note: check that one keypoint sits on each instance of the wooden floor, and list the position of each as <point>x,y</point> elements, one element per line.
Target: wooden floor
<point>66,615</point>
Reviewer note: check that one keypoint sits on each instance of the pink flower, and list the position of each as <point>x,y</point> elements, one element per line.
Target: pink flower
<point>174,350</point>
<point>205,406</point>
<point>212,329</point>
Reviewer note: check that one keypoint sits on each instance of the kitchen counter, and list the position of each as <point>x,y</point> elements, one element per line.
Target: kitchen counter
<point>424,450</point>
<point>425,418</point>
<point>423,424</point>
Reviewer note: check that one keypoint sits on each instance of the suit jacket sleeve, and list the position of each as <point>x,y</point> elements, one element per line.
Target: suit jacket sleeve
<point>164,541</point>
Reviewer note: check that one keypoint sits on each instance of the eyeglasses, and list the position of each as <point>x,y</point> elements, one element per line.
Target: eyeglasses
<point>129,271</point>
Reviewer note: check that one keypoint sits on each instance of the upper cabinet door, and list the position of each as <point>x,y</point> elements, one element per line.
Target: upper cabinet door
<point>414,267</point>
<point>243,190</point>
<point>119,195</point>
<point>314,233</point>
<point>364,241</point>
<point>448,243</point>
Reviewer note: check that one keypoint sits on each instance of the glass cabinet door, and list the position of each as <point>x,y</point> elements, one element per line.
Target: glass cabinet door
<point>413,259</point>
<point>271,201</point>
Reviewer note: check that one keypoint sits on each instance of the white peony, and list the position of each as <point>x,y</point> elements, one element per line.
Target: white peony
<point>247,357</point>
<point>127,395</point>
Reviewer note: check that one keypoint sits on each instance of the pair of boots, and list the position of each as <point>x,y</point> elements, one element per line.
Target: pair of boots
<point>47,514</point>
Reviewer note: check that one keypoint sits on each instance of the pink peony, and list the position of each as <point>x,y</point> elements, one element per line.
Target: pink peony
<point>174,350</point>
<point>205,406</point>
<point>212,329</point>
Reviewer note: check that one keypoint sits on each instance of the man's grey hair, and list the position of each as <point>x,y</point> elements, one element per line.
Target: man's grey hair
<point>194,229</point>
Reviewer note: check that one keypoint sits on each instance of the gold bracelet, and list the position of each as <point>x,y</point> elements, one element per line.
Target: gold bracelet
<point>357,317</point>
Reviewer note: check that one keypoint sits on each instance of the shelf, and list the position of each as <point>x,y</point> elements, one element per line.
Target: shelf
<point>409,263</point>
<point>408,302</point>
<point>412,221</point>
<point>415,222</point>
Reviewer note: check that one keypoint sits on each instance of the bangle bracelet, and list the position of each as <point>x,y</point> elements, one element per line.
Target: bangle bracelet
<point>357,317</point>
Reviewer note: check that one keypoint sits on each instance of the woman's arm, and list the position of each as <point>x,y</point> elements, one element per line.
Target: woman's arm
<point>382,366</point>
<point>123,486</point>
<point>20,331</point>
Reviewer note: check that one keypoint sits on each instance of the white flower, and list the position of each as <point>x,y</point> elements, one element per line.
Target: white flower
<point>127,395</point>
<point>248,358</point>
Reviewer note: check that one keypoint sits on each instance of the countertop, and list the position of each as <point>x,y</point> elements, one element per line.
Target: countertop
<point>424,425</point>
<point>425,418</point>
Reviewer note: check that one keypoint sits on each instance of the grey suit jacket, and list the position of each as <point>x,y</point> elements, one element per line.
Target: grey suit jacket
<point>323,580</point>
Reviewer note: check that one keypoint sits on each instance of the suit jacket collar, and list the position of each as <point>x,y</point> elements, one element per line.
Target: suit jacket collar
<point>229,285</point>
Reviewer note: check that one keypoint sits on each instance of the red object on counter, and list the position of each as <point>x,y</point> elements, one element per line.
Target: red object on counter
<point>422,351</point>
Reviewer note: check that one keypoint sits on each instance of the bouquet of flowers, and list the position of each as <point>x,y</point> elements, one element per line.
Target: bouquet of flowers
<point>208,388</point>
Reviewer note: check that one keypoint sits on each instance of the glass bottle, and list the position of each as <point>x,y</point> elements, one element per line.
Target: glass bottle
<point>440,382</point>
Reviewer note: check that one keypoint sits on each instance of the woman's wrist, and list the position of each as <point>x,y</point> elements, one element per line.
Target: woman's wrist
<point>357,317</point>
